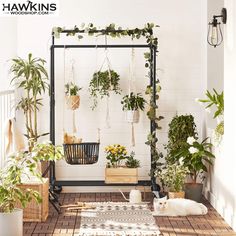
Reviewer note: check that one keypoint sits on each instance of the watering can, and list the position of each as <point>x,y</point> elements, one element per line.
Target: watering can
<point>135,196</point>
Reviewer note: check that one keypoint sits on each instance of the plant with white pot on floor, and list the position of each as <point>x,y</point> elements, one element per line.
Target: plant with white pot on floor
<point>20,167</point>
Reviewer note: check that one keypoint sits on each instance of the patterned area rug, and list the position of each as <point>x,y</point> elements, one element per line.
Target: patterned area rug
<point>118,219</point>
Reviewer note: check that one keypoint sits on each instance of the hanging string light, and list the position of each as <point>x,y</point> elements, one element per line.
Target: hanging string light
<point>215,35</point>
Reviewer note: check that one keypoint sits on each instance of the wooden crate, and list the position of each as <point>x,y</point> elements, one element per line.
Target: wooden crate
<point>121,175</point>
<point>37,212</point>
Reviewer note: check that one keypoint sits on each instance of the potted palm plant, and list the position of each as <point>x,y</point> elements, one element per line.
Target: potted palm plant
<point>215,99</point>
<point>120,167</point>
<point>72,95</point>
<point>30,75</point>
<point>173,177</point>
<point>132,104</point>
<point>102,83</point>
<point>195,155</point>
<point>180,128</point>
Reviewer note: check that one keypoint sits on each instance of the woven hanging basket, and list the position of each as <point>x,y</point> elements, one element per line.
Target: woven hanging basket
<point>73,102</point>
<point>132,116</point>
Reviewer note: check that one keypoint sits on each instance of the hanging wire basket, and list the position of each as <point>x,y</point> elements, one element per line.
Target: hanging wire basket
<point>81,153</point>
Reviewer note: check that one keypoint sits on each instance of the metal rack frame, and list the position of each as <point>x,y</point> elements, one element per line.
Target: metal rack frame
<point>52,169</point>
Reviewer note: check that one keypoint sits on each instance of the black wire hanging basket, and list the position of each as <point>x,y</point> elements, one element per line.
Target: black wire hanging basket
<point>81,153</point>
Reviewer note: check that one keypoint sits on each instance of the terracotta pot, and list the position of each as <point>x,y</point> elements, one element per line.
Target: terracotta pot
<point>73,102</point>
<point>176,194</point>
<point>193,191</point>
<point>132,116</point>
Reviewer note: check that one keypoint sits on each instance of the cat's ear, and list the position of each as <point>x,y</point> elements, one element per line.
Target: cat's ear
<point>164,198</point>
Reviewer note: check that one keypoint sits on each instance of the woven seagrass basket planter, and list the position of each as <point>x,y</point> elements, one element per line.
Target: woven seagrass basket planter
<point>73,102</point>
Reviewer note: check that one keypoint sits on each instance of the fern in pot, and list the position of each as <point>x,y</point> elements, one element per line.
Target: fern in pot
<point>132,104</point>
<point>72,96</point>
<point>102,83</point>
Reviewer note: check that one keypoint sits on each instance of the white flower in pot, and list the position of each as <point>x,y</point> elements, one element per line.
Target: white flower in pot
<point>132,104</point>
<point>72,96</point>
<point>194,155</point>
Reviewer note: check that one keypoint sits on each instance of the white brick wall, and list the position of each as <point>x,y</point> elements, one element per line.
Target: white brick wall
<point>181,60</point>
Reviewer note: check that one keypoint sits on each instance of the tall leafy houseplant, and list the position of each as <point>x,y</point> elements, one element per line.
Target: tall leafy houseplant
<point>195,155</point>
<point>180,128</point>
<point>32,77</point>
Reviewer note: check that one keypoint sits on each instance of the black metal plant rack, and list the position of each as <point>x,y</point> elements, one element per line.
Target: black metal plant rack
<point>52,171</point>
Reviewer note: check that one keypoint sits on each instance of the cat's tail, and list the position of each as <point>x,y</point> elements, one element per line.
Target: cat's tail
<point>204,209</point>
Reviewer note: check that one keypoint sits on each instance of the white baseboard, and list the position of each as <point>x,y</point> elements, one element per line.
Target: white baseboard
<point>227,213</point>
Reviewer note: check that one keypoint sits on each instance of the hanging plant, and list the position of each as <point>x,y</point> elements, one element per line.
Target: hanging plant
<point>72,96</point>
<point>132,104</point>
<point>102,83</point>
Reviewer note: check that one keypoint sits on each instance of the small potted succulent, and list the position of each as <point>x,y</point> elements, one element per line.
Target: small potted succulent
<point>132,104</point>
<point>72,96</point>
<point>120,168</point>
<point>102,83</point>
<point>173,177</point>
<point>195,155</point>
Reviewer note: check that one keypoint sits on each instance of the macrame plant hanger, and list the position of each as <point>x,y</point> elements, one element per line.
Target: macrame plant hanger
<point>74,103</point>
<point>106,62</point>
<point>72,79</point>
<point>132,89</point>
<point>78,153</point>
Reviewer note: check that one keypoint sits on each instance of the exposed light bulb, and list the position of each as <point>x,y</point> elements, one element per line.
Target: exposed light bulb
<point>214,35</point>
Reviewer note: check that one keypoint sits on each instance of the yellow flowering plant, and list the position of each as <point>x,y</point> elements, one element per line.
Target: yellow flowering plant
<point>115,154</point>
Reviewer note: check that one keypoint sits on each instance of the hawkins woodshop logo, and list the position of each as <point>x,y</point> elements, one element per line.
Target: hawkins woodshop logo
<point>34,7</point>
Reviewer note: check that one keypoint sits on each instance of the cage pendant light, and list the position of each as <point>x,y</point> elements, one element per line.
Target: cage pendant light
<point>215,35</point>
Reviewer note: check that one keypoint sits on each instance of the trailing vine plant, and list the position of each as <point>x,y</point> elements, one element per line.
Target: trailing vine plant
<point>116,32</point>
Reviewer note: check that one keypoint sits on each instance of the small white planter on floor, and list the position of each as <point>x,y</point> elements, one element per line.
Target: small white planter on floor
<point>11,224</point>
<point>132,116</point>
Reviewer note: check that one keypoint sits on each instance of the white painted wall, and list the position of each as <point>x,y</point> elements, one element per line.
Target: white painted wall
<point>8,45</point>
<point>221,69</point>
<point>182,60</point>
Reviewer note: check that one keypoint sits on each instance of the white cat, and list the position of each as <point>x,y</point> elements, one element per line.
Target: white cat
<point>177,207</point>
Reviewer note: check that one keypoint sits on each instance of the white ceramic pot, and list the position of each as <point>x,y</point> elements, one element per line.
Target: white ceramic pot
<point>132,116</point>
<point>11,224</point>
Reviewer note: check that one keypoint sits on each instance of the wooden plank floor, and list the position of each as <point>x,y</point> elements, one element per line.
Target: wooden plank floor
<point>67,223</point>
